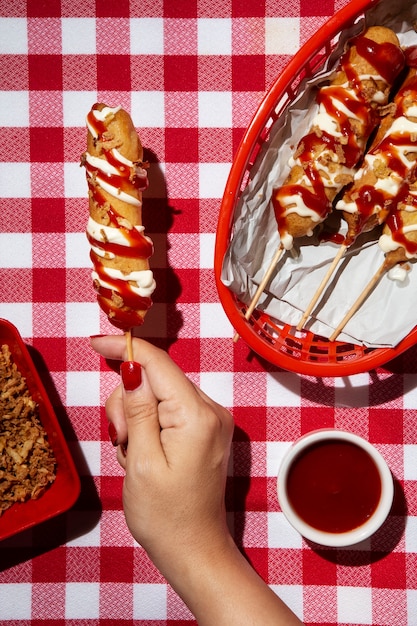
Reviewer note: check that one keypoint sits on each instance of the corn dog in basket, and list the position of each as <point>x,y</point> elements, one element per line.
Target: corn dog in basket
<point>243,232</point>
<point>326,157</point>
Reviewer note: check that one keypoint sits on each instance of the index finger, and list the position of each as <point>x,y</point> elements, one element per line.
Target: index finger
<point>166,379</point>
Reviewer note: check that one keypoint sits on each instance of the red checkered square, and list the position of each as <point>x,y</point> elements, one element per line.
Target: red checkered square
<point>85,422</point>
<point>180,73</point>
<point>9,208</point>
<point>116,602</point>
<point>386,425</point>
<point>48,285</point>
<point>188,286</point>
<point>47,180</point>
<point>45,71</point>
<point>111,491</point>
<point>14,72</point>
<point>47,144</point>
<point>309,417</point>
<point>180,9</point>
<point>389,572</point>
<point>214,73</point>
<point>78,8</point>
<point>52,8</point>
<point>322,7</point>
<point>116,564</point>
<point>48,215</point>
<point>181,145</point>
<point>113,72</point>
<point>251,423</point>
<point>47,252</point>
<point>208,292</point>
<point>319,568</point>
<point>53,351</point>
<point>147,72</point>
<point>320,605</point>
<point>181,110</point>
<point>45,570</point>
<point>248,73</point>
<point>208,215</point>
<point>186,354</point>
<point>240,8</point>
<point>108,8</point>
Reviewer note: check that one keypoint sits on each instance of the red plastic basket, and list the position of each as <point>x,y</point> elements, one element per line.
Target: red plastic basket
<point>305,352</point>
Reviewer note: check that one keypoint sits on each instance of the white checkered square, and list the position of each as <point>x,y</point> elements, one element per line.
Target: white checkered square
<point>215,109</point>
<point>146,35</point>
<point>280,532</point>
<point>13,35</point>
<point>82,601</point>
<point>78,35</point>
<point>14,108</point>
<point>214,322</point>
<point>354,605</point>
<point>282,35</point>
<point>149,601</point>
<point>283,389</point>
<point>214,36</point>
<point>15,601</point>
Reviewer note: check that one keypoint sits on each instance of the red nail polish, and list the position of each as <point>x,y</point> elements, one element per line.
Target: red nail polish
<point>112,434</point>
<point>131,373</point>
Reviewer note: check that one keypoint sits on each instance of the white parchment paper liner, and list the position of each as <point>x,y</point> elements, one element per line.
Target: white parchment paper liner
<point>390,312</point>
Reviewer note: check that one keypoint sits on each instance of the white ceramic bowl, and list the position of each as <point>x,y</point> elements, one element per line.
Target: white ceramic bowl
<point>326,537</point>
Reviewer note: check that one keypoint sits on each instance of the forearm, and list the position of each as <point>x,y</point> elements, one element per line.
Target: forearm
<point>222,589</point>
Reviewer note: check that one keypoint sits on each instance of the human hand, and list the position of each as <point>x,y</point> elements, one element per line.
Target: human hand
<point>176,459</point>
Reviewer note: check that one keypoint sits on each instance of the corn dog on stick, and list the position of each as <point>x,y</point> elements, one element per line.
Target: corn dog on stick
<point>120,250</point>
<point>399,243</point>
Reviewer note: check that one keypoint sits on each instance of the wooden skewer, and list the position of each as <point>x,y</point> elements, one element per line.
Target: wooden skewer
<point>129,346</point>
<point>322,286</point>
<point>262,285</point>
<point>361,298</point>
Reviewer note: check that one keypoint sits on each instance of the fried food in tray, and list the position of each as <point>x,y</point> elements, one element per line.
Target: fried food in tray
<point>27,461</point>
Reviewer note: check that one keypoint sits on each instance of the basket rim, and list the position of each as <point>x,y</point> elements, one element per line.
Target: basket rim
<point>368,360</point>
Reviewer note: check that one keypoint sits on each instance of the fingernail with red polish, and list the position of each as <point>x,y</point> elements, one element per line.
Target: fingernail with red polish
<point>131,373</point>
<point>112,434</point>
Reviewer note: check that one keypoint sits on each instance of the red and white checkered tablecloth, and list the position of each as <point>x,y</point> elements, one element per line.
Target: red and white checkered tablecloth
<point>192,73</point>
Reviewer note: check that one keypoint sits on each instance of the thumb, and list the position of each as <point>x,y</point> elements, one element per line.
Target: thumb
<point>141,412</point>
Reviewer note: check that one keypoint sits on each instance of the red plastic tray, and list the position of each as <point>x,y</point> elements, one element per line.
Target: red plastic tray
<point>64,491</point>
<point>301,352</point>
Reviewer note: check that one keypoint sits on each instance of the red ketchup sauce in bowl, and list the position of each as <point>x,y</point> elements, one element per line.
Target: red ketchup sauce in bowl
<point>334,487</point>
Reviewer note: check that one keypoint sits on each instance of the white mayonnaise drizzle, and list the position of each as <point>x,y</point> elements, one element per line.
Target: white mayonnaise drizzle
<point>141,281</point>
